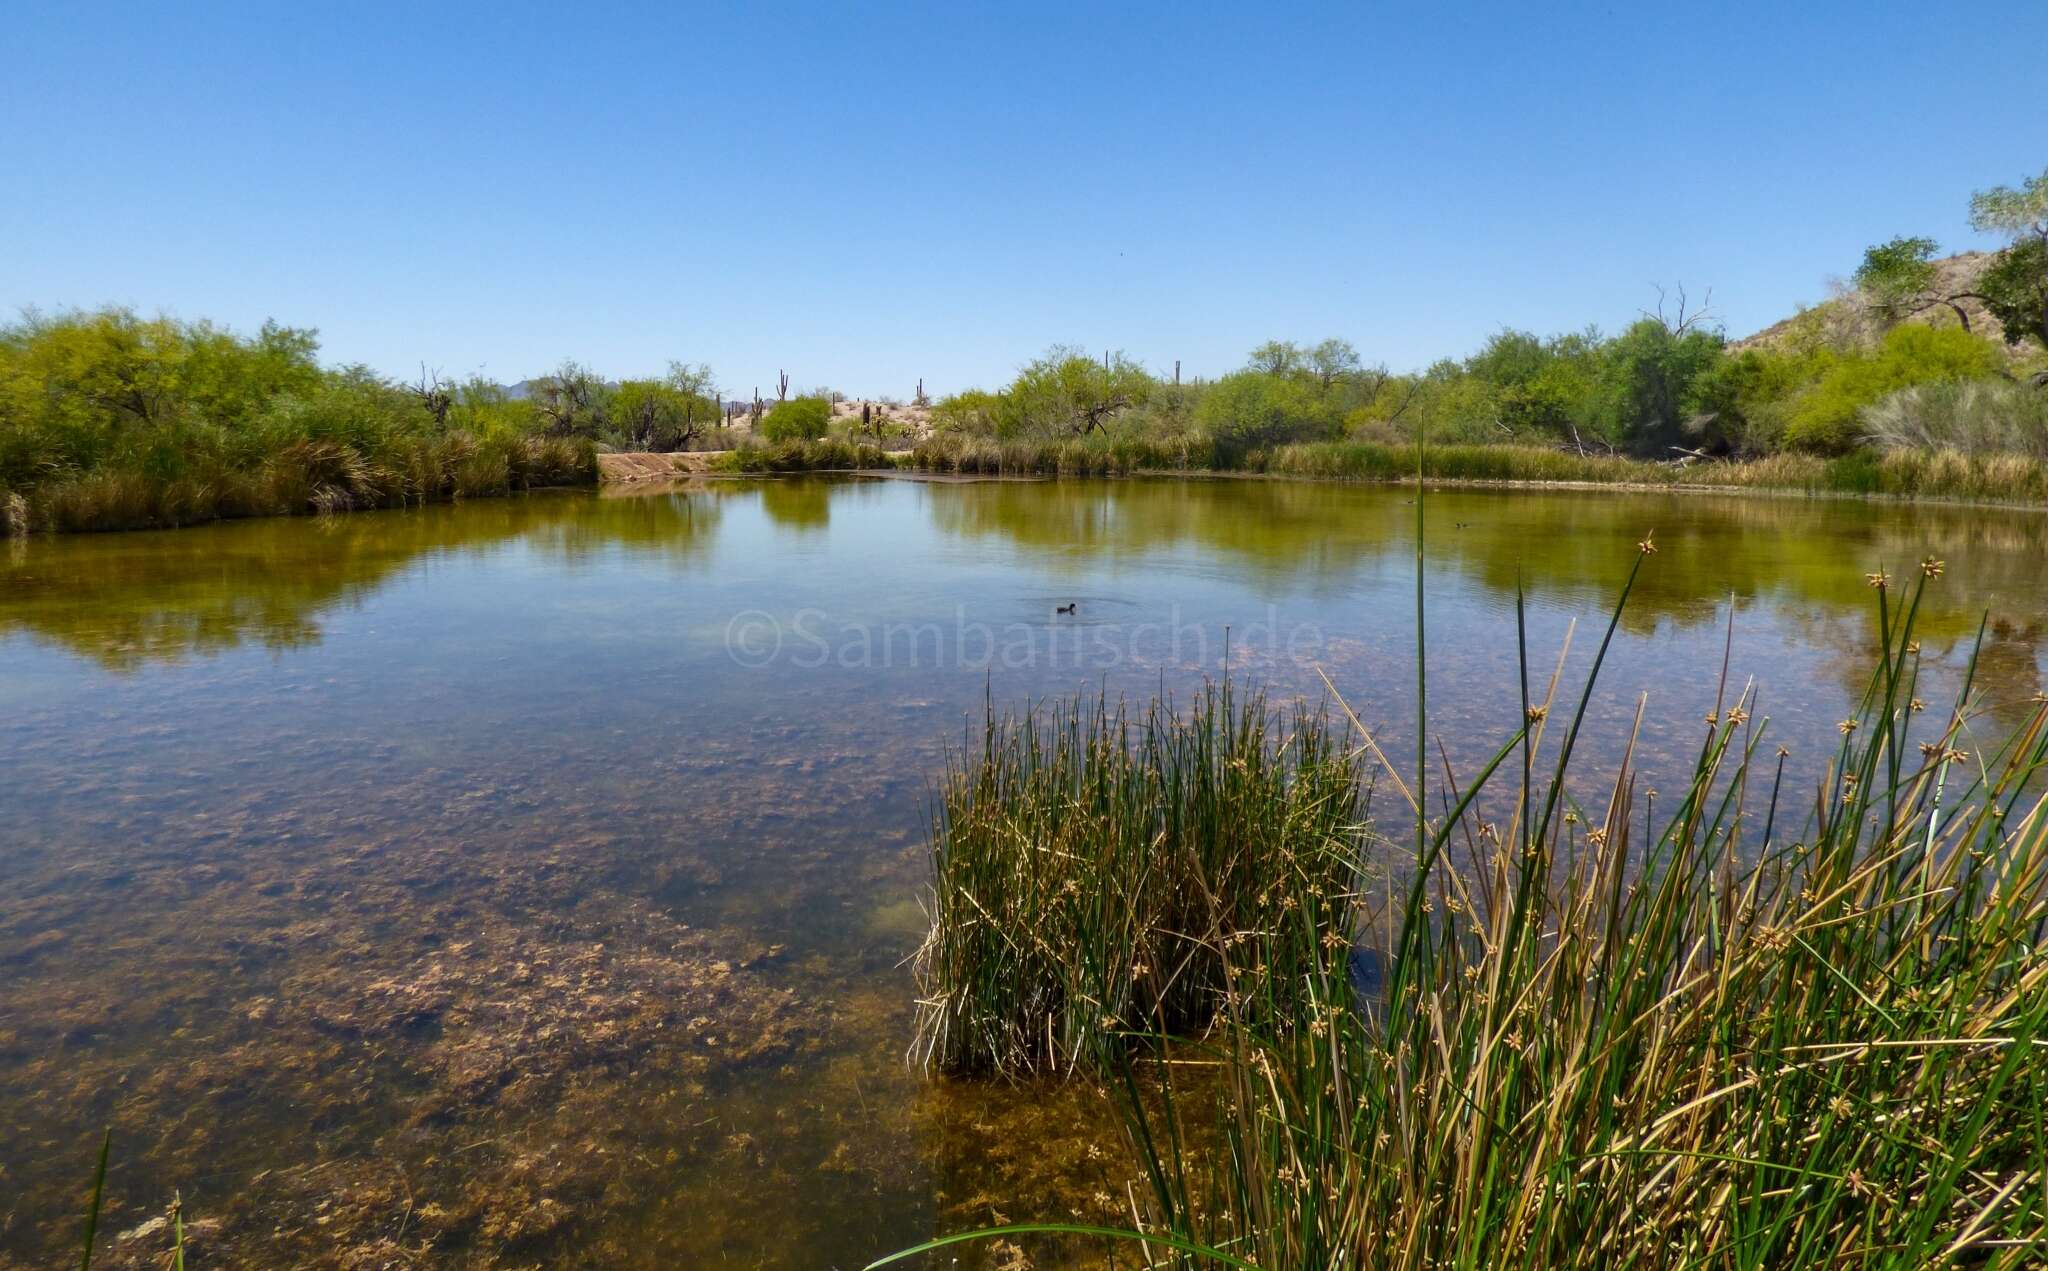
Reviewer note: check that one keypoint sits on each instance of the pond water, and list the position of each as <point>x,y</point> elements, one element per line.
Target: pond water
<point>530,881</point>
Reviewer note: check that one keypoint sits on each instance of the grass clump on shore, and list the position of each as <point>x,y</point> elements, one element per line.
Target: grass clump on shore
<point>1735,1026</point>
<point>1093,868</point>
<point>823,454</point>
<point>1096,455</point>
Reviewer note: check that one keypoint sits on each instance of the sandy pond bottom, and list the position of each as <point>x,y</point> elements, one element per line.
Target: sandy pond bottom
<point>529,882</point>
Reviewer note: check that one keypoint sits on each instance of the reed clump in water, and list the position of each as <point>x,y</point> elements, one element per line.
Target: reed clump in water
<point>1757,1030</point>
<point>1096,871</point>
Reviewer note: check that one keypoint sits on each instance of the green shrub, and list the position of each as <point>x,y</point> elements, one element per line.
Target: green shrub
<point>1253,410</point>
<point>798,419</point>
<point>1823,418</point>
<point>109,421</point>
<point>1974,417</point>
<point>815,455</point>
<point>1741,403</point>
<point>974,413</point>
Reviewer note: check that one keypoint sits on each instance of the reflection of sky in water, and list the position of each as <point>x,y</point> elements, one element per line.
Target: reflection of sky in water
<point>515,723</point>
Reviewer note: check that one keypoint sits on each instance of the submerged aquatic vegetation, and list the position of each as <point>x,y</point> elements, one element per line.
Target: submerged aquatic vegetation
<point>1731,1027</point>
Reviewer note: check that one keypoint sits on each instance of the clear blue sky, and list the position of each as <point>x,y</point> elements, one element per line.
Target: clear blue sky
<point>865,194</point>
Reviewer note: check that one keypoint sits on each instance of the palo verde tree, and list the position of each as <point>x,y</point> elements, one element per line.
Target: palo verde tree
<point>1332,362</point>
<point>1068,393</point>
<point>650,415</point>
<point>1276,357</point>
<point>699,391</point>
<point>797,419</point>
<point>572,402</point>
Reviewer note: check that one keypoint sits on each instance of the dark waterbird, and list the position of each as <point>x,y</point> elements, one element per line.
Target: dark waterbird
<point>1066,608</point>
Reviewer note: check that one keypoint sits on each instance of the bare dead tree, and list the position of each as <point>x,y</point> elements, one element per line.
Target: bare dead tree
<point>1374,380</point>
<point>434,394</point>
<point>1686,318</point>
<point>1412,388</point>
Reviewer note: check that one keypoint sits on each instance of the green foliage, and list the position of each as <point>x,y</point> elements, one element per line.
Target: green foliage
<point>657,415</point>
<point>78,390</point>
<point>798,419</point>
<point>1066,392</point>
<point>1742,401</point>
<point>111,421</point>
<point>1253,410</point>
<point>1896,276</point>
<point>1823,418</point>
<point>974,412</point>
<point>572,402</point>
<point>1332,362</point>
<point>1544,387</point>
<point>1275,357</point>
<point>1652,378</point>
<point>2015,290</point>
<point>831,454</point>
<point>2017,212</point>
<point>1970,417</point>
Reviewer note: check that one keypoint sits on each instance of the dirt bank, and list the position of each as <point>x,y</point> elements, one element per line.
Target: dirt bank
<point>634,466</point>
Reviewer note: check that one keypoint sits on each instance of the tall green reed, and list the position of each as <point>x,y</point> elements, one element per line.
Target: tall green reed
<point>1093,867</point>
<point>1566,1031</point>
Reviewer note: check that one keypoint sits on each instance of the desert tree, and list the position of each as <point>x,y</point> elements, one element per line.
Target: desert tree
<point>1068,392</point>
<point>571,401</point>
<point>1899,279</point>
<point>1333,361</point>
<point>2015,287</point>
<point>1275,357</point>
<point>699,390</point>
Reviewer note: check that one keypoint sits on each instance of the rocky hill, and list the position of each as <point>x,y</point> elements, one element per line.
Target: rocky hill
<point>1847,318</point>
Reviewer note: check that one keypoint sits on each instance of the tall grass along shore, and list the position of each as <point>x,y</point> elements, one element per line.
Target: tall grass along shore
<point>1737,1025</point>
<point>1902,473</point>
<point>1933,474</point>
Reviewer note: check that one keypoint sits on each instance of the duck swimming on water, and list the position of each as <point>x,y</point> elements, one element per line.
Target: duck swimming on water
<point>1066,608</point>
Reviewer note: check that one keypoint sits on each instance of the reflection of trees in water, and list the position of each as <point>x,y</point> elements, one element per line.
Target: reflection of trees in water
<point>1574,548</point>
<point>799,503</point>
<point>128,599</point>
<point>125,600</point>
<point>673,523</point>
<point>2008,672</point>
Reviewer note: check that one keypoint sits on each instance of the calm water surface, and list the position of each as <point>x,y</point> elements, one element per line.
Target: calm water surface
<point>529,881</point>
